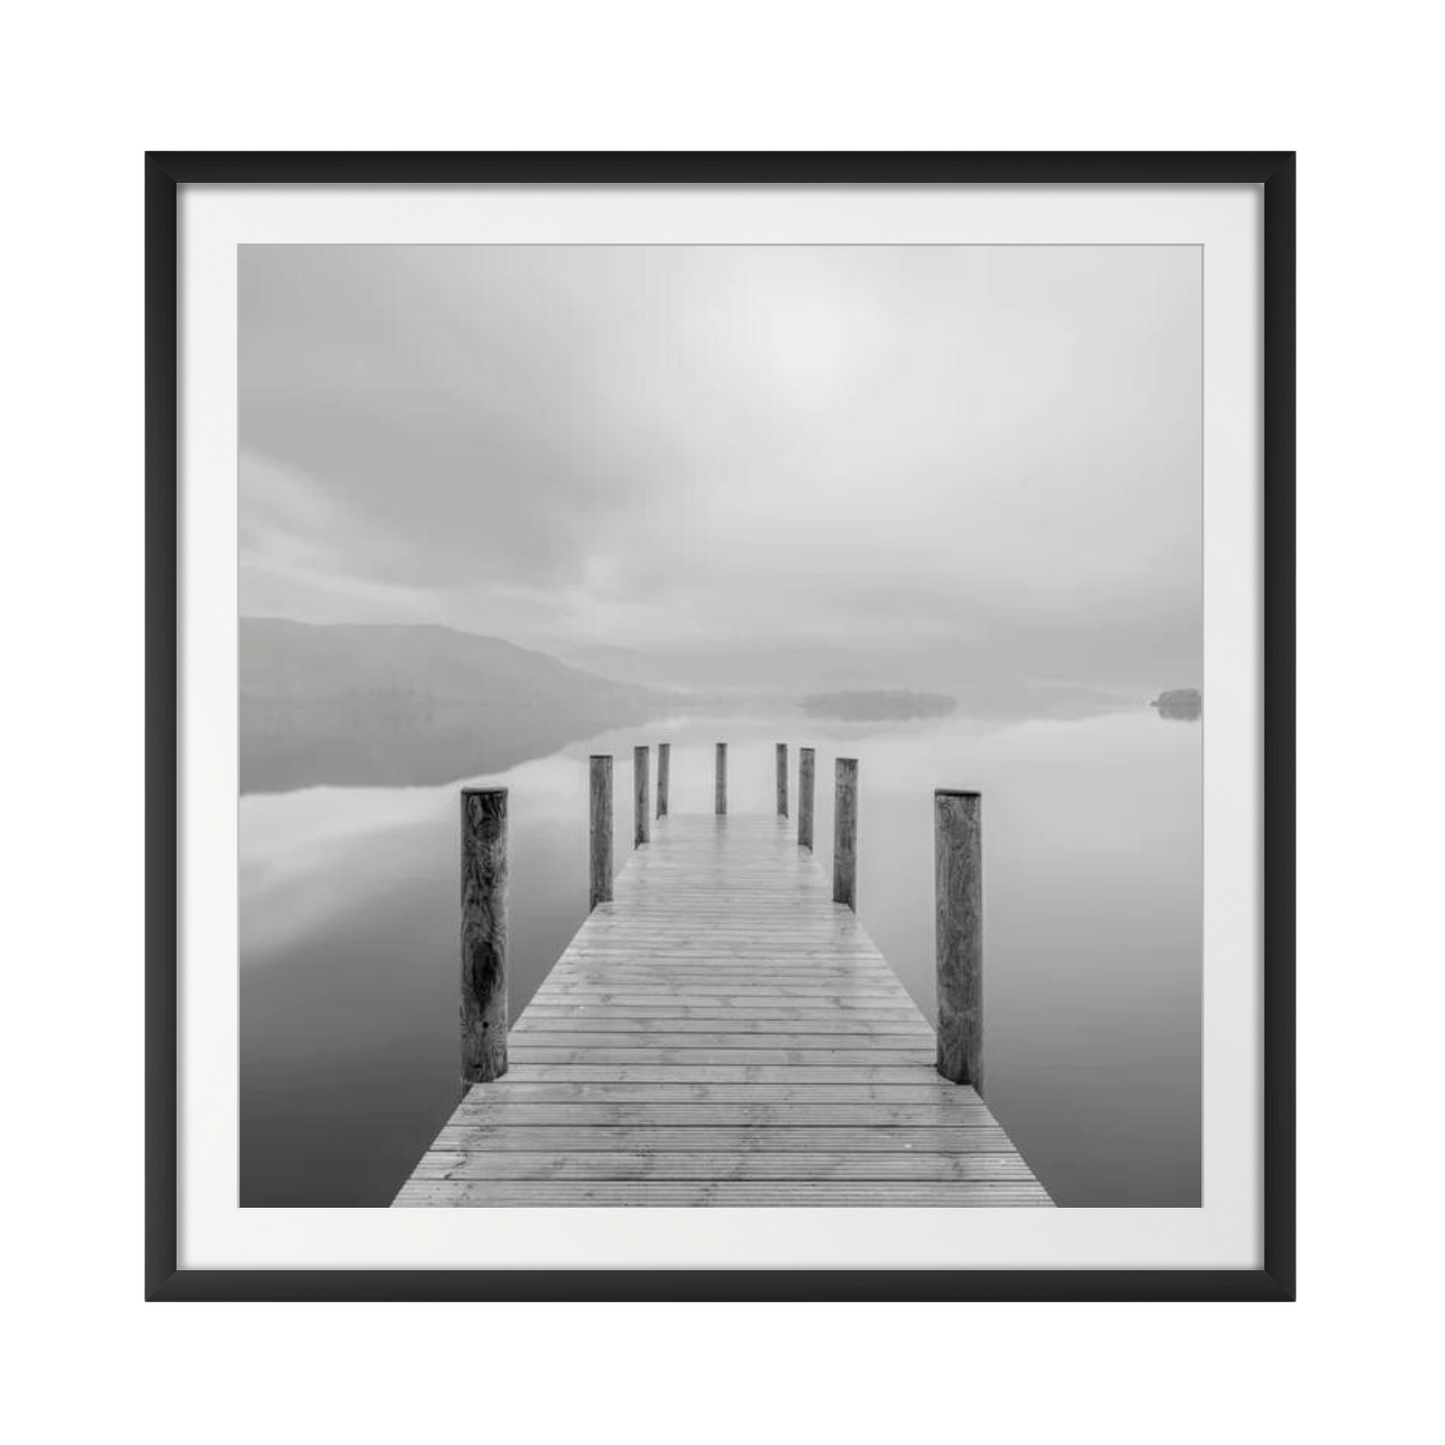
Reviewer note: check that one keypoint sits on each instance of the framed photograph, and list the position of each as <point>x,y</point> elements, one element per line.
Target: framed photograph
<point>678,757</point>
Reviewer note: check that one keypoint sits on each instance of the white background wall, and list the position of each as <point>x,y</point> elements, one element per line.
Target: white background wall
<point>89,87</point>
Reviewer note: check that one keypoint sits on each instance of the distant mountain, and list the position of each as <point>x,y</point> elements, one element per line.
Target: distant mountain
<point>408,705</point>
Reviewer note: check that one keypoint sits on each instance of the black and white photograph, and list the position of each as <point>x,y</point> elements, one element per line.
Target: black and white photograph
<point>722,723</point>
<point>720,726</point>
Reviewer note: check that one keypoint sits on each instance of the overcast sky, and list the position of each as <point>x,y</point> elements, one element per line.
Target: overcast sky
<point>993,449</point>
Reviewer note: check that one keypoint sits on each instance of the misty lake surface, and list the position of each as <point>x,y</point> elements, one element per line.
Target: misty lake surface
<point>1092,913</point>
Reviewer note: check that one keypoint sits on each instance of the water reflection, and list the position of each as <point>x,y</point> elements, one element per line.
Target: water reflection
<point>1092,887</point>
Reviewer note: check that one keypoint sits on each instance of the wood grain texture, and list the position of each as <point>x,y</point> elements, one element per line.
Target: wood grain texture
<point>600,813</point>
<point>722,1034</point>
<point>782,783</point>
<point>484,934</point>
<point>958,900</point>
<point>593,1137</point>
<point>806,757</point>
<point>641,808</point>
<point>664,770</point>
<point>726,1193</point>
<point>845,833</point>
<point>702,1165</point>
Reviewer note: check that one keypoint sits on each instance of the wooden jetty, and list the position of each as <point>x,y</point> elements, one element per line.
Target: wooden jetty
<point>722,1031</point>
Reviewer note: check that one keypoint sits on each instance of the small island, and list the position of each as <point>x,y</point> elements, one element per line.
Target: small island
<point>1181,704</point>
<point>897,706</point>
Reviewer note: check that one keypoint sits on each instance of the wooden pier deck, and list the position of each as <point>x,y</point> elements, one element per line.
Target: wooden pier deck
<point>721,1033</point>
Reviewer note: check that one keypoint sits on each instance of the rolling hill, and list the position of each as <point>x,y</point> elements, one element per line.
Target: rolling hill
<point>407,704</point>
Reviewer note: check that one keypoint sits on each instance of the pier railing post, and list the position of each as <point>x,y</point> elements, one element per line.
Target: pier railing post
<point>484,934</point>
<point>958,880</point>
<point>601,811</point>
<point>805,798</point>
<point>664,761</point>
<point>782,780</point>
<point>640,808</point>
<point>845,834</point>
<point>720,788</point>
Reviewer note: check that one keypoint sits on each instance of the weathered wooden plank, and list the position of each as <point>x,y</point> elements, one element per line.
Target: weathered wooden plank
<point>580,1038</point>
<point>697,1164</point>
<point>955,1194</point>
<point>727,939</point>
<point>699,990</point>
<point>722,951</point>
<point>691,1092</point>
<point>732,1003</point>
<point>654,1000</point>
<point>779,1031</point>
<point>460,1138</point>
<point>722,973</point>
<point>733,1073</point>
<point>725,945</point>
<point>725,942</point>
<point>660,988</point>
<point>533,1053</point>
<point>684,976</point>
<point>779,1013</point>
<point>932,1115</point>
<point>710,995</point>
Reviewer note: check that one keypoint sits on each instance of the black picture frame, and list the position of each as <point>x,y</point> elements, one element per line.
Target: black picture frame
<point>1273,170</point>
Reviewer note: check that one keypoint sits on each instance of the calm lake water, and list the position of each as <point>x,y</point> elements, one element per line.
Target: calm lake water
<point>1092,878</point>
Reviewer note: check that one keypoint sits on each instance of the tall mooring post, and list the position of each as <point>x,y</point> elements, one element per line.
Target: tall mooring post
<point>484,934</point>
<point>958,881</point>
<point>845,833</point>
<point>805,798</point>
<point>664,763</point>
<point>640,807</point>
<point>601,819</point>
<point>782,780</point>
<point>720,787</point>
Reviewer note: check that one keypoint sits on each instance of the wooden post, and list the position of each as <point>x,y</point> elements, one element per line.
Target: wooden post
<point>484,934</point>
<point>958,882</point>
<point>639,796</point>
<point>720,789</point>
<point>601,860</point>
<point>782,780</point>
<point>845,834</point>
<point>664,760</point>
<point>805,798</point>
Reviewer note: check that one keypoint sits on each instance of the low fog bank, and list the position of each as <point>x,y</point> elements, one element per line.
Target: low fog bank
<point>386,705</point>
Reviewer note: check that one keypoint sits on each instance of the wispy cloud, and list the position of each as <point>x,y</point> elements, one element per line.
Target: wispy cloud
<point>743,447</point>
